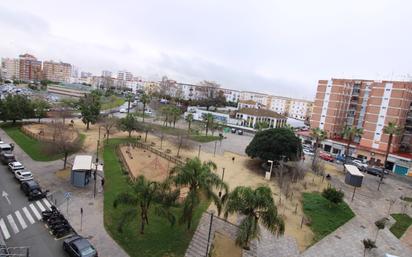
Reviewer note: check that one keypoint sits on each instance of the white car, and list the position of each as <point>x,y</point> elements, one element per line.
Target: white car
<point>123,110</point>
<point>307,152</point>
<point>23,175</point>
<point>13,166</point>
<point>360,164</point>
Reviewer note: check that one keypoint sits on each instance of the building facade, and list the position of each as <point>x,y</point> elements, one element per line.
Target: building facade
<point>106,74</point>
<point>299,109</point>
<point>30,69</point>
<point>57,71</point>
<point>369,105</point>
<point>251,116</point>
<point>11,68</point>
<point>124,75</point>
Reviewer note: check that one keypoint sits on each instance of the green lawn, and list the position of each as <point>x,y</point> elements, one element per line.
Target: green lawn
<point>29,145</point>
<point>324,219</point>
<point>111,102</point>
<point>403,221</point>
<point>407,199</point>
<point>160,239</point>
<point>178,131</point>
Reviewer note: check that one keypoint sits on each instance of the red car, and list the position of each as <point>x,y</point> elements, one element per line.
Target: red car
<point>326,156</point>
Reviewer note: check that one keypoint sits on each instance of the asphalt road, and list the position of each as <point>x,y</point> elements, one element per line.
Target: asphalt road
<point>19,224</point>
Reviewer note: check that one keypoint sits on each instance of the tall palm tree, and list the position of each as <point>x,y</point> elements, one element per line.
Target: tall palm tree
<point>189,119</point>
<point>209,119</point>
<point>257,207</point>
<point>391,129</point>
<point>145,193</point>
<point>129,98</point>
<point>319,135</point>
<point>145,99</point>
<point>175,113</point>
<point>349,133</point>
<point>200,179</point>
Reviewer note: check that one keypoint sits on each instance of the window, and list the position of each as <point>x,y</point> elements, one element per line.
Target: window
<point>383,107</point>
<point>388,89</point>
<point>378,134</point>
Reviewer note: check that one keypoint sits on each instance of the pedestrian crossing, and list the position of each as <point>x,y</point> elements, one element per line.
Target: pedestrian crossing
<point>20,219</point>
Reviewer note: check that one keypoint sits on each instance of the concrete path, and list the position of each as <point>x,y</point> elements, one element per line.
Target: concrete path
<point>407,238</point>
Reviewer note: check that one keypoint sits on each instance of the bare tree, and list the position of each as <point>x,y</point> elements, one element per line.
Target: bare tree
<point>182,141</point>
<point>109,124</point>
<point>65,141</point>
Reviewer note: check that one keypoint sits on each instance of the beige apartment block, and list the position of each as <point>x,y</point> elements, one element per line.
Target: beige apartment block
<point>11,68</point>
<point>57,71</point>
<point>29,68</point>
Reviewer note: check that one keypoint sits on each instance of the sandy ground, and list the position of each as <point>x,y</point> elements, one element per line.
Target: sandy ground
<point>45,130</point>
<point>223,246</point>
<point>241,172</point>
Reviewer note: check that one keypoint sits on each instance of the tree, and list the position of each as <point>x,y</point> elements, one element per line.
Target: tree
<point>129,123</point>
<point>391,129</point>
<point>257,207</point>
<point>145,99</point>
<point>275,144</point>
<point>189,119</point>
<point>175,113</point>
<point>319,135</point>
<point>109,123</point>
<point>380,224</point>
<point>90,108</point>
<point>182,140</point>
<point>129,97</point>
<point>40,108</point>
<point>16,107</point>
<point>261,125</point>
<point>200,179</point>
<point>66,107</point>
<point>143,195</point>
<point>208,119</point>
<point>350,133</point>
<point>332,195</point>
<point>368,245</point>
<point>65,141</point>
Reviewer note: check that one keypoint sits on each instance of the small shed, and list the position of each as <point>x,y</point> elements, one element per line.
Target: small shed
<point>81,170</point>
<point>353,177</point>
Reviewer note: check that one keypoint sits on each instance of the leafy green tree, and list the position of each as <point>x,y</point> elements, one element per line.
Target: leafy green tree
<point>40,108</point>
<point>319,135</point>
<point>275,144</point>
<point>257,207</point>
<point>189,120</point>
<point>16,107</point>
<point>142,197</point>
<point>332,195</point>
<point>261,125</point>
<point>350,133</point>
<point>145,99</point>
<point>175,113</point>
<point>129,97</point>
<point>209,120</point>
<point>90,108</point>
<point>200,179</point>
<point>129,123</point>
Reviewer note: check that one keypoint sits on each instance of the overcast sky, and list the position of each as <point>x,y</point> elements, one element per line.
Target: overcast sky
<point>279,47</point>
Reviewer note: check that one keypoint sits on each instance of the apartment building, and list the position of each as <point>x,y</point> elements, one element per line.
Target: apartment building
<point>106,74</point>
<point>231,95</point>
<point>29,68</point>
<point>57,71</point>
<point>124,75</point>
<point>369,105</point>
<point>254,96</point>
<point>279,104</point>
<point>299,109</point>
<point>11,68</point>
<point>85,74</point>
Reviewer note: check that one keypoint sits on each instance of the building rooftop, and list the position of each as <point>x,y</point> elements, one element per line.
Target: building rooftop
<point>261,113</point>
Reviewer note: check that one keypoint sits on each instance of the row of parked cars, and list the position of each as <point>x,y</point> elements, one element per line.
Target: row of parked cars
<point>75,245</point>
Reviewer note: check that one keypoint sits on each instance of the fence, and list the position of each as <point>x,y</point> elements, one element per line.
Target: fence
<point>40,137</point>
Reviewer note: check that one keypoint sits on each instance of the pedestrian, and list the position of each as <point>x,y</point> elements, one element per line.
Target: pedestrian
<point>233,159</point>
<point>102,181</point>
<point>11,147</point>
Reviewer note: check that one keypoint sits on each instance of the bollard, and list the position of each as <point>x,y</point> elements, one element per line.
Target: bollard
<point>296,209</point>
<point>301,223</point>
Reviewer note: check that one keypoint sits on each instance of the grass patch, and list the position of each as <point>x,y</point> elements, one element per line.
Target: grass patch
<point>204,138</point>
<point>403,221</point>
<point>111,102</point>
<point>160,239</point>
<point>31,146</point>
<point>407,199</point>
<point>324,219</point>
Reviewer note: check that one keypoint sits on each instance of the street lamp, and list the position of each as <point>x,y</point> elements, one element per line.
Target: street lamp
<point>269,173</point>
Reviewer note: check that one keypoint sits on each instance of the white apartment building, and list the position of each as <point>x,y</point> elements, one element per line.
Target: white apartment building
<point>106,74</point>
<point>124,75</point>
<point>300,109</point>
<point>11,68</point>
<point>254,96</point>
<point>231,95</point>
<point>279,104</point>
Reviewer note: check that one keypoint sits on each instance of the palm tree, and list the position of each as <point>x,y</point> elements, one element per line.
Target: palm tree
<point>350,133</point>
<point>257,207</point>
<point>129,98</point>
<point>368,244</point>
<point>145,99</point>
<point>209,119</point>
<point>175,113</point>
<point>319,135</point>
<point>200,179</point>
<point>189,119</point>
<point>145,193</point>
<point>391,129</point>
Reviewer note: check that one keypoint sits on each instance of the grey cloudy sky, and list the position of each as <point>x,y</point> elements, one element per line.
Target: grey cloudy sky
<point>279,47</point>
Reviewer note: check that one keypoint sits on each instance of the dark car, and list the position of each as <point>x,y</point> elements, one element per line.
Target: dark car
<point>240,132</point>
<point>77,246</point>
<point>374,171</point>
<point>233,130</point>
<point>32,190</point>
<point>7,157</point>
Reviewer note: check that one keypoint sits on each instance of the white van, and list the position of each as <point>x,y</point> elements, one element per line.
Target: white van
<point>5,148</point>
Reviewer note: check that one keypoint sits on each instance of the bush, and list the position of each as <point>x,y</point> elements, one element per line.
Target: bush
<point>333,195</point>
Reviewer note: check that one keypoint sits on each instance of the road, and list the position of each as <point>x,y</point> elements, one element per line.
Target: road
<point>19,221</point>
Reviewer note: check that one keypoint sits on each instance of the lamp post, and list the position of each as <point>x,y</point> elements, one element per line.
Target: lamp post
<point>269,173</point>
<point>223,175</point>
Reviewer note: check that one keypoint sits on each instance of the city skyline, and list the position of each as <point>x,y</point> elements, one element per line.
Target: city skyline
<point>270,48</point>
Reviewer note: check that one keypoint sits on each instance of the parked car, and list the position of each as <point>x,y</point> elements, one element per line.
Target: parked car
<point>240,132</point>
<point>13,166</point>
<point>77,246</point>
<point>359,164</point>
<point>233,130</point>
<point>5,147</point>
<point>326,156</point>
<point>123,110</point>
<point>23,175</point>
<point>32,190</point>
<point>7,157</point>
<point>308,152</point>
<point>374,171</point>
